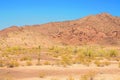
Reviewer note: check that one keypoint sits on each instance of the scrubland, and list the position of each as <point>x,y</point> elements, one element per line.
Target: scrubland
<point>60,63</point>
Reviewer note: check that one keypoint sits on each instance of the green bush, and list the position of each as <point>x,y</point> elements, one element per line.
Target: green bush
<point>113,53</point>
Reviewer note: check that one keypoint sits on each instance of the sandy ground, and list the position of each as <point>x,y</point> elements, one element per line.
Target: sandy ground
<point>111,72</point>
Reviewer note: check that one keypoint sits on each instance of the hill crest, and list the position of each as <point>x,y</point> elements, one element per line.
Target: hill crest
<point>103,29</point>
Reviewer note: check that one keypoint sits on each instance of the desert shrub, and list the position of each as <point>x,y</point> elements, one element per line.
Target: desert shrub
<point>88,76</point>
<point>113,53</point>
<point>82,59</point>
<point>66,60</point>
<point>54,79</point>
<point>28,63</point>
<point>12,63</point>
<point>70,78</point>
<point>84,77</point>
<point>106,63</point>
<point>55,49</point>
<point>13,50</point>
<point>24,58</point>
<point>101,63</point>
<point>98,63</point>
<point>42,75</point>
<point>87,62</point>
<point>46,63</point>
<point>89,53</point>
<point>1,63</point>
<point>79,58</point>
<point>110,53</point>
<point>117,59</point>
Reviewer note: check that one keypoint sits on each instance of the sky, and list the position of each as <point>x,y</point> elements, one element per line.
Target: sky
<point>31,12</point>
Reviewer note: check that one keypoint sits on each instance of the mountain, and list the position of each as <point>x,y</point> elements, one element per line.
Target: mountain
<point>102,29</point>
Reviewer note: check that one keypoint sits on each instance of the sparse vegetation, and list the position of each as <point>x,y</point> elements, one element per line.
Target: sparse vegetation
<point>46,63</point>
<point>1,63</point>
<point>42,75</point>
<point>88,76</point>
<point>12,63</point>
<point>65,55</point>
<point>62,56</point>
<point>54,79</point>
<point>70,78</point>
<point>28,63</point>
<point>25,58</point>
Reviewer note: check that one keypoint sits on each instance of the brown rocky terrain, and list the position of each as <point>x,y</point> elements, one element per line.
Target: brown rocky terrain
<point>103,29</point>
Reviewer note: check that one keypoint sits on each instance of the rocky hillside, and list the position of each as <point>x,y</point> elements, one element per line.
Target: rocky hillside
<point>103,29</point>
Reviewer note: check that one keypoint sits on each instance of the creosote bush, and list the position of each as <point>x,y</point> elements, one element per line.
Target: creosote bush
<point>25,58</point>
<point>89,76</point>
<point>54,79</point>
<point>46,63</point>
<point>28,63</point>
<point>42,75</point>
<point>101,63</point>
<point>2,63</point>
<point>66,60</point>
<point>70,78</point>
<point>12,63</point>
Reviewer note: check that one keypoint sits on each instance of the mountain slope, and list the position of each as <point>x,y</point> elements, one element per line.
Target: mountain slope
<point>103,29</point>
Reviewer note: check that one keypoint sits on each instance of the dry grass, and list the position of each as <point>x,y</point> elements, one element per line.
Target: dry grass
<point>89,76</point>
<point>42,75</point>
<point>70,78</point>
<point>64,55</point>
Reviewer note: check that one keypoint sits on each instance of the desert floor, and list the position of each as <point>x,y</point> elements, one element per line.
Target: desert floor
<point>54,72</point>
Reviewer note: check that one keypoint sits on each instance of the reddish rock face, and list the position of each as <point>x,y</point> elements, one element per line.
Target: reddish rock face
<point>94,29</point>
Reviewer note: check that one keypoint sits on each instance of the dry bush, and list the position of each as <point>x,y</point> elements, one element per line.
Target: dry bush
<point>28,63</point>
<point>54,79</point>
<point>70,78</point>
<point>24,58</point>
<point>88,76</point>
<point>106,63</point>
<point>42,75</point>
<point>66,60</point>
<point>46,63</point>
<point>113,53</point>
<point>2,63</point>
<point>99,63</point>
<point>12,63</point>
